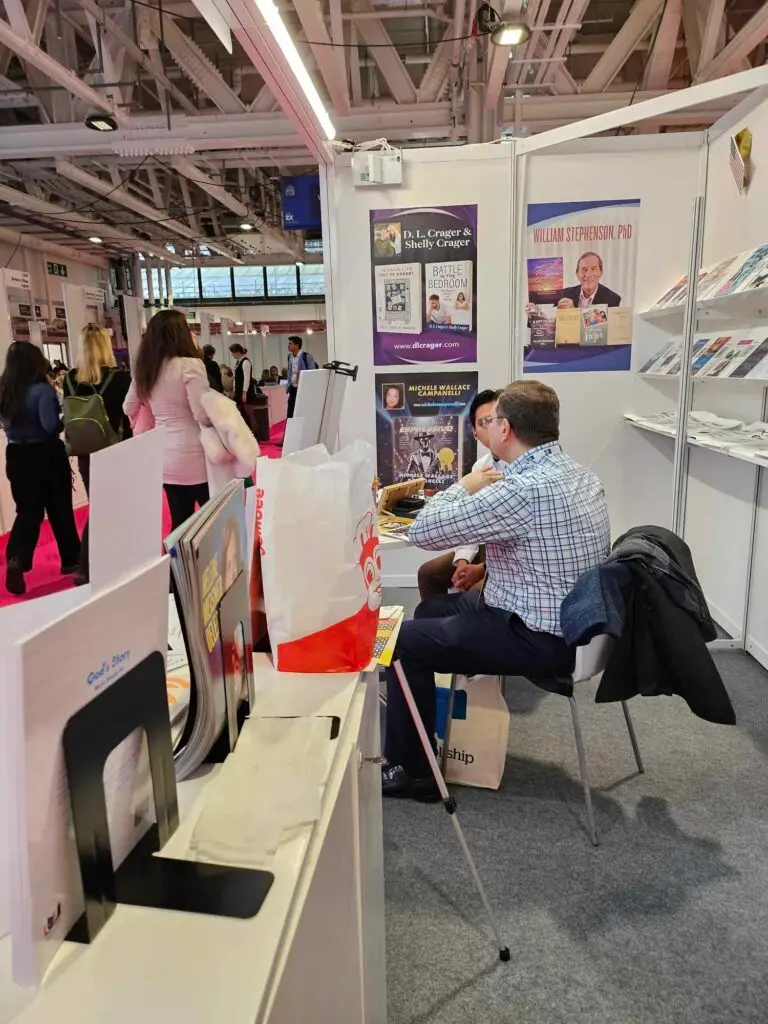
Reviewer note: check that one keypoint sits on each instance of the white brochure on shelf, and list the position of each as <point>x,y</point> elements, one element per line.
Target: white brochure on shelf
<point>52,674</point>
<point>126,507</point>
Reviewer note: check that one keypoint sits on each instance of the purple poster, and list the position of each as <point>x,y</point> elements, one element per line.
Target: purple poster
<point>424,285</point>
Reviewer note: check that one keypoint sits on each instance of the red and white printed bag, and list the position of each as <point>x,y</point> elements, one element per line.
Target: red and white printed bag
<point>320,560</point>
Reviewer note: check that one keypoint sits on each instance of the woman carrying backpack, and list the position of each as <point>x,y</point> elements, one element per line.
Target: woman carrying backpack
<point>36,464</point>
<point>169,380</point>
<point>94,392</point>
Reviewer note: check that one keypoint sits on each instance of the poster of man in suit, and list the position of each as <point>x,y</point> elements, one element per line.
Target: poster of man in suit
<point>581,261</point>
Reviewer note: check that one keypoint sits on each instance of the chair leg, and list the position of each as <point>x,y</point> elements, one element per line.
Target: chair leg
<point>633,737</point>
<point>448,721</point>
<point>583,767</point>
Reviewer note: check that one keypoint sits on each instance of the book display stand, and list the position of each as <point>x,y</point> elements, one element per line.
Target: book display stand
<point>139,701</point>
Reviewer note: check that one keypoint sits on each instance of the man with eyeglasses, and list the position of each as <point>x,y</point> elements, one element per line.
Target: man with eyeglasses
<point>544,521</point>
<point>463,568</point>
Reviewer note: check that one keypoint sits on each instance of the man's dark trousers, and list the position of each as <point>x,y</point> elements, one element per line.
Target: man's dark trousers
<point>459,633</point>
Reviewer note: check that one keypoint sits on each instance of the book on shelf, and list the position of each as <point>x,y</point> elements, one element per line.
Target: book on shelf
<point>753,268</point>
<point>650,365</point>
<point>209,563</point>
<point>707,353</point>
<point>755,365</point>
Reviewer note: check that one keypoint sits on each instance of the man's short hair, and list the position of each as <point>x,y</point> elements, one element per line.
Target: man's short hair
<point>584,256</point>
<point>480,399</point>
<point>237,347</point>
<point>209,351</point>
<point>296,340</point>
<point>532,409</point>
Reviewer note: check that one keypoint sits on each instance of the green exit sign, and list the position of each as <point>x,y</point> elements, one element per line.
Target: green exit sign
<point>57,269</point>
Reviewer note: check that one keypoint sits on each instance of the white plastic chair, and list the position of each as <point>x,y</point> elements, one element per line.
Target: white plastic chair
<point>590,661</point>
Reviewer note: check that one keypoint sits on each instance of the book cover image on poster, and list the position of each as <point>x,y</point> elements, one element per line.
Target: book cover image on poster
<point>423,427</point>
<point>424,285</point>
<point>567,326</point>
<point>448,294</point>
<point>428,447</point>
<point>543,324</point>
<point>398,298</point>
<point>594,325</point>
<point>545,279</point>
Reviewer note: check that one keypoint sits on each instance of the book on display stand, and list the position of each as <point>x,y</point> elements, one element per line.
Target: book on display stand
<point>210,562</point>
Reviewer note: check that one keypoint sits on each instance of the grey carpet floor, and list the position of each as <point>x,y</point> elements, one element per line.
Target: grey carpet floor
<point>665,923</point>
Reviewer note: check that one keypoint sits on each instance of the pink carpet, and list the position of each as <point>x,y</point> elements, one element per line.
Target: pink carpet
<point>45,577</point>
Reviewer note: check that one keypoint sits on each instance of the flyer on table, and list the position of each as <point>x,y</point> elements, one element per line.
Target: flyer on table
<point>423,427</point>
<point>424,285</point>
<point>581,262</point>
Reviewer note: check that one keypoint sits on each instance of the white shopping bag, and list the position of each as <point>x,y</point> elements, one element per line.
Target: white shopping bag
<point>479,733</point>
<point>320,561</point>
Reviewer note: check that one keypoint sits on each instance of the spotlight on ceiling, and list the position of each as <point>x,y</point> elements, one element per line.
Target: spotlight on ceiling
<point>96,240</point>
<point>510,33</point>
<point>246,227</point>
<point>101,122</point>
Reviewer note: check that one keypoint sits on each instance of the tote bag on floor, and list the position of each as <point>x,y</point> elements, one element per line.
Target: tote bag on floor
<point>320,562</point>
<point>479,731</point>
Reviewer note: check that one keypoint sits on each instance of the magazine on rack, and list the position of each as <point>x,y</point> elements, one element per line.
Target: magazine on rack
<point>755,365</point>
<point>208,559</point>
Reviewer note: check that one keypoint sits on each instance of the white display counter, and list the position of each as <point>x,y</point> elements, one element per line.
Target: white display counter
<point>278,403</point>
<point>315,950</point>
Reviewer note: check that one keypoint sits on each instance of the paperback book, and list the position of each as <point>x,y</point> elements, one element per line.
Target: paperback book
<point>448,295</point>
<point>398,298</point>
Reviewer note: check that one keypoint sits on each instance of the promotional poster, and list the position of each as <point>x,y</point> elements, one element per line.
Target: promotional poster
<point>581,262</point>
<point>423,428</point>
<point>424,285</point>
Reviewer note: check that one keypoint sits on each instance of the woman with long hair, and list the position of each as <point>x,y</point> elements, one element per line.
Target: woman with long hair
<point>96,373</point>
<point>36,464</point>
<point>169,380</point>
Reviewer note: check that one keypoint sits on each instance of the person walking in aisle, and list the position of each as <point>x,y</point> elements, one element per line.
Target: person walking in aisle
<point>297,361</point>
<point>36,464</point>
<point>96,373</point>
<point>212,368</point>
<point>169,381</point>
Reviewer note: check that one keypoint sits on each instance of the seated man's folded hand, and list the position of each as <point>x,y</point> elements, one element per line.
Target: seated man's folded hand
<point>467,576</point>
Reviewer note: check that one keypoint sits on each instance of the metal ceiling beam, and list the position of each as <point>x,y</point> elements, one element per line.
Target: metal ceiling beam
<point>385,54</point>
<point>78,222</point>
<point>644,13</point>
<point>28,241</point>
<point>138,54</point>
<point>312,21</point>
<point>693,26</point>
<point>444,63</point>
<point>194,63</point>
<point>742,44</point>
<point>17,16</point>
<point>659,66</point>
<point>536,15</point>
<point>35,16</point>
<point>191,172</point>
<point>123,198</point>
<point>340,53</point>
<point>355,77</point>
<point>709,39</point>
<point>32,54</point>
<point>498,56</point>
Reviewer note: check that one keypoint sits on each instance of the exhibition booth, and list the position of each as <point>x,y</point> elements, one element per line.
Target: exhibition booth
<point>469,273</point>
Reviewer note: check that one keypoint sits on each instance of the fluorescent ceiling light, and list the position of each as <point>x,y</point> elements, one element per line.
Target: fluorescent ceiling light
<point>271,15</point>
<point>96,240</point>
<point>246,227</point>
<point>510,33</point>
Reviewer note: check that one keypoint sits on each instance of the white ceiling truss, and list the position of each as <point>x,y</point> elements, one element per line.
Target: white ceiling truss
<point>205,135</point>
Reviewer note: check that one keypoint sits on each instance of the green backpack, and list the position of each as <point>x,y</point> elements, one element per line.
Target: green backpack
<point>86,425</point>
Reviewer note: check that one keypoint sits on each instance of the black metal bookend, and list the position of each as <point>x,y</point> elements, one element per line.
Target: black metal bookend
<point>138,700</point>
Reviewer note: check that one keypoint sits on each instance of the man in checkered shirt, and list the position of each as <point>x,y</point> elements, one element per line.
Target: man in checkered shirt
<point>544,521</point>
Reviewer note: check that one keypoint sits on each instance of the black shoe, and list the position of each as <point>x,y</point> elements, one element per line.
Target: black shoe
<point>396,782</point>
<point>14,578</point>
<point>69,570</point>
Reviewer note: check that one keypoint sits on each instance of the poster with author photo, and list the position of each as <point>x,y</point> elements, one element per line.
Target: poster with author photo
<point>580,261</point>
<point>423,427</point>
<point>424,285</point>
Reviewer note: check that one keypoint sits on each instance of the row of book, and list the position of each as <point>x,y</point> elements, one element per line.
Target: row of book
<point>733,437</point>
<point>739,356</point>
<point>732,276</point>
